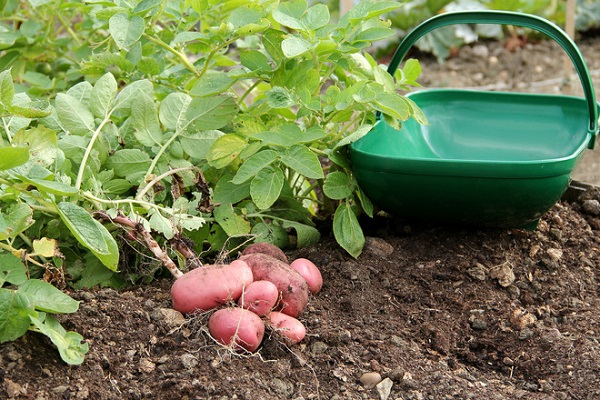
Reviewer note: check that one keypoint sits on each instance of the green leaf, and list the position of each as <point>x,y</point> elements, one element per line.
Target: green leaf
<point>127,162</point>
<point>338,186</point>
<point>347,230</point>
<point>54,187</point>
<point>12,270</point>
<point>266,187</point>
<point>16,219</point>
<point>417,113</point>
<point>90,233</point>
<point>254,60</point>
<point>271,233</point>
<point>411,70</point>
<point>279,97</point>
<point>225,149</point>
<point>7,89</point>
<point>43,146</point>
<point>367,10</point>
<point>11,157</point>
<point>316,17</point>
<point>303,161</point>
<point>307,235</point>
<point>131,93</point>
<point>272,39</point>
<point>393,105</point>
<point>73,115</point>
<point>212,83</point>
<point>206,113</point>
<point>290,13</point>
<point>70,344</point>
<point>144,121</point>
<point>226,192</point>
<point>172,110</point>
<point>161,224</point>
<point>253,165</point>
<point>103,93</point>
<point>295,46</point>
<point>14,315</point>
<point>197,144</point>
<point>232,223</point>
<point>45,297</point>
<point>365,202</point>
<point>124,30</point>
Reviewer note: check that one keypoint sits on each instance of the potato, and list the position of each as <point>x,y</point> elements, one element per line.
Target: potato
<point>292,287</point>
<point>237,327</point>
<point>309,271</point>
<point>260,297</point>
<point>266,248</point>
<point>289,327</point>
<point>207,287</point>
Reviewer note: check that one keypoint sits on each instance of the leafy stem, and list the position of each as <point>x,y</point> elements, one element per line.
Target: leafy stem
<point>181,56</point>
<point>159,178</point>
<point>88,150</point>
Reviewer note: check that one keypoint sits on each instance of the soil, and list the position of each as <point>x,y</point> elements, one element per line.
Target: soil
<point>433,312</point>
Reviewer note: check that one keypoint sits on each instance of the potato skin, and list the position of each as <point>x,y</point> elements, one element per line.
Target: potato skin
<point>207,287</point>
<point>266,248</point>
<point>311,274</point>
<point>237,327</point>
<point>260,297</point>
<point>288,327</point>
<point>291,285</point>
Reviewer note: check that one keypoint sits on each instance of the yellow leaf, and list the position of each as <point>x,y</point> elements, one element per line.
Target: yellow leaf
<point>45,247</point>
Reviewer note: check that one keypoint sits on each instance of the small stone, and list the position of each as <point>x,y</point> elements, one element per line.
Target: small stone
<point>378,247</point>
<point>508,361</point>
<point>13,389</point>
<point>319,347</point>
<point>479,325</point>
<point>520,318</point>
<point>555,254</point>
<point>384,388</point>
<point>146,365</point>
<point>60,389</point>
<point>591,207</point>
<point>478,271</point>
<point>172,318</point>
<point>480,50</point>
<point>370,379</point>
<point>396,374</point>
<point>189,361</point>
<point>525,334</point>
<point>504,274</point>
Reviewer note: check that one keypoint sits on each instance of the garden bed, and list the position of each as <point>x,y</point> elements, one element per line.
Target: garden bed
<point>443,312</point>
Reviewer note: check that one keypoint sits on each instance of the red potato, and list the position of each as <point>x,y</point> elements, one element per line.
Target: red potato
<point>237,327</point>
<point>266,248</point>
<point>289,327</point>
<point>309,271</point>
<point>291,285</point>
<point>207,287</point>
<point>260,297</point>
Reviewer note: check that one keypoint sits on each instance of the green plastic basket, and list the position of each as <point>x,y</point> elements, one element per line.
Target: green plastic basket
<point>485,158</point>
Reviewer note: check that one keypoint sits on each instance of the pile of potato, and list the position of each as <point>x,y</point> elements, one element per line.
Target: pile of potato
<point>266,288</point>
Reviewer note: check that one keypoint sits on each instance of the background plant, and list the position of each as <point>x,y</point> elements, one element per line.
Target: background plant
<point>207,123</point>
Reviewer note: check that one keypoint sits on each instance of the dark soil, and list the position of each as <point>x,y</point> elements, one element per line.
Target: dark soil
<point>437,312</point>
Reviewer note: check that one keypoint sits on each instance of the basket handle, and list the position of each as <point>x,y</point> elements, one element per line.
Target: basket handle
<point>508,18</point>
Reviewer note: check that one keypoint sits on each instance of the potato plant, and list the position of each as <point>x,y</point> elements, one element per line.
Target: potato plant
<point>184,127</point>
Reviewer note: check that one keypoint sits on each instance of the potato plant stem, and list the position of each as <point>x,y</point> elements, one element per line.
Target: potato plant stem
<point>88,150</point>
<point>182,57</point>
<point>159,178</point>
<point>152,244</point>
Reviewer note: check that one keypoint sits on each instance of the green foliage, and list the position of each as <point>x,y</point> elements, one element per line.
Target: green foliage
<point>29,307</point>
<point>209,120</point>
